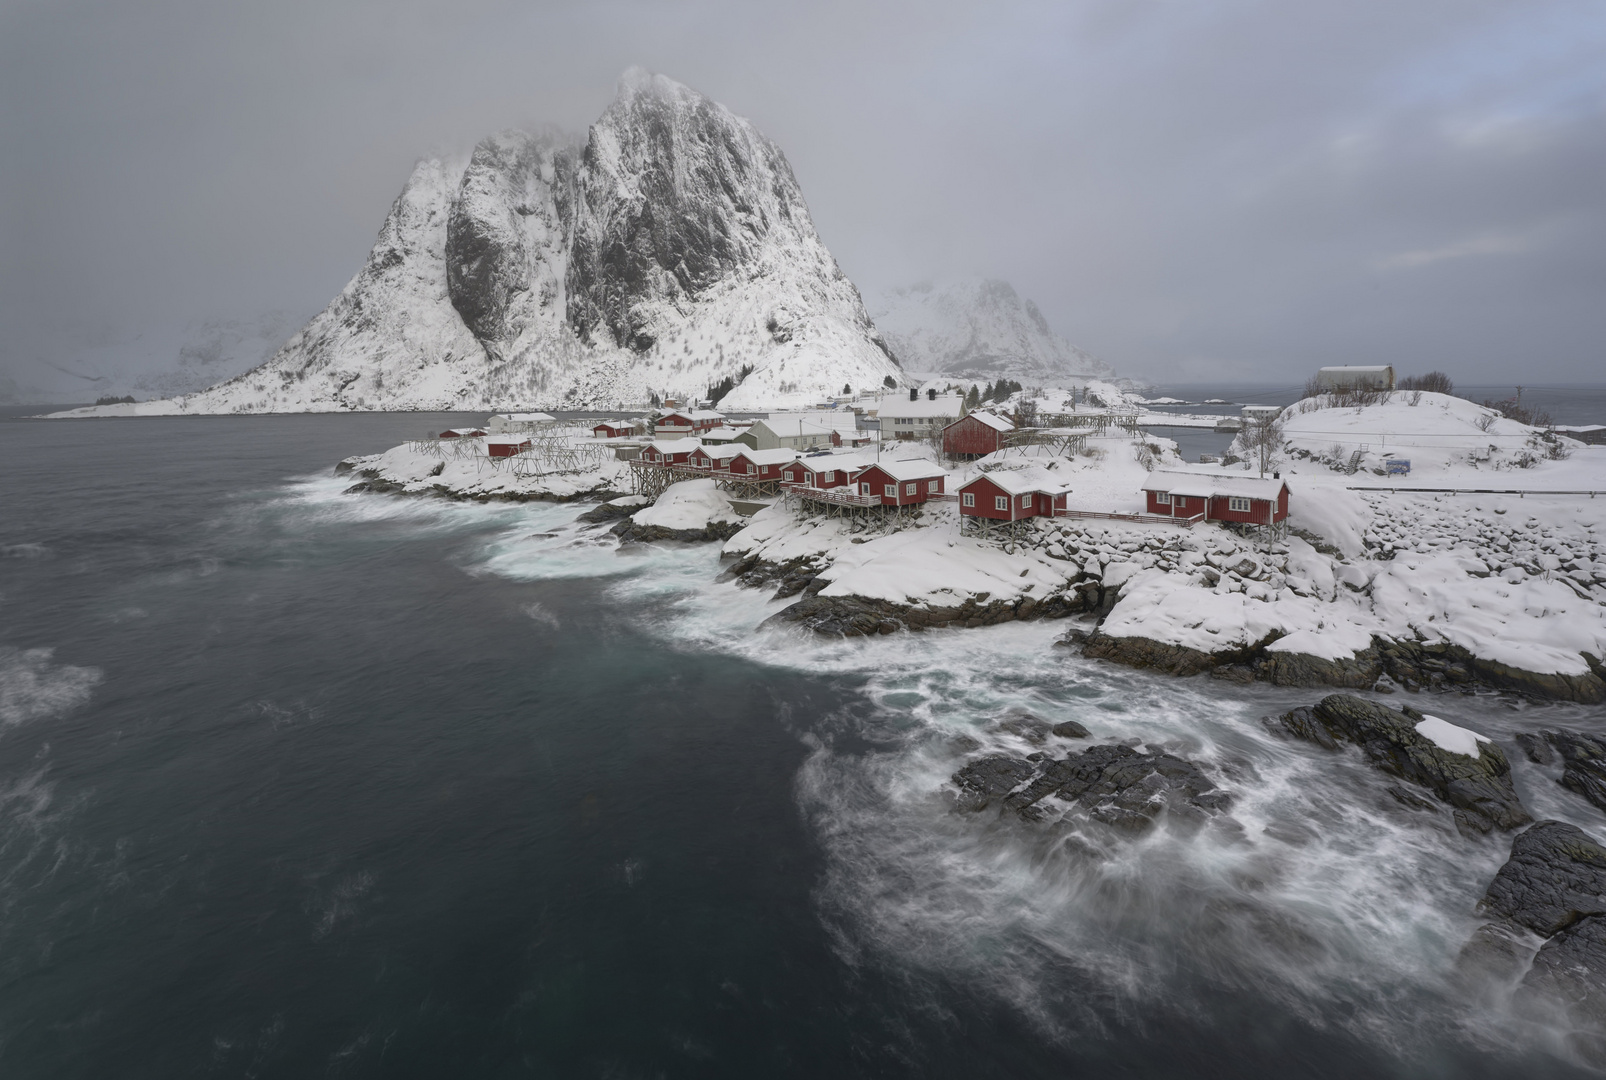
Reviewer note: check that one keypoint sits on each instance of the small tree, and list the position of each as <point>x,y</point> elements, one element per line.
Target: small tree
<point>847,388</point>
<point>972,398</point>
<point>890,383</point>
<point>1262,437</point>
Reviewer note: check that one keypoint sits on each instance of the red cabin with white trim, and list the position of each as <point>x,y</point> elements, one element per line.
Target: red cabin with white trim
<point>681,422</point>
<point>761,464</point>
<point>1011,495</point>
<point>902,483</point>
<point>463,433</point>
<point>1245,500</point>
<point>613,429</point>
<point>674,452</point>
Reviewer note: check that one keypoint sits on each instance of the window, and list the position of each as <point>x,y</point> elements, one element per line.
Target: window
<point>1025,502</point>
<point>1000,503</point>
<point>909,489</point>
<point>935,487</point>
<point>864,489</point>
<point>890,490</point>
<point>752,470</point>
<point>967,499</point>
<point>791,476</point>
<point>1238,505</point>
<point>1163,498</point>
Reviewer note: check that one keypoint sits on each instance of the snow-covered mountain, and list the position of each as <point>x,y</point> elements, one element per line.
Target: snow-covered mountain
<point>979,329</point>
<point>670,250</point>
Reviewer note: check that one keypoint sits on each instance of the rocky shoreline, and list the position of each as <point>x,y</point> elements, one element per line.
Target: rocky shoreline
<point>373,482</point>
<point>1388,665</point>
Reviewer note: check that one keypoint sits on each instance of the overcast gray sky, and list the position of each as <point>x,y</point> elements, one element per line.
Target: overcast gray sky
<point>1238,190</point>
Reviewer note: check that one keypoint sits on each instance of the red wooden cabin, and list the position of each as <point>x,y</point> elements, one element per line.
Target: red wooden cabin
<point>613,429</point>
<point>462,433</point>
<point>1013,494</point>
<point>1246,500</point>
<point>506,445</point>
<point>902,483</point>
<point>975,435</point>
<point>672,452</point>
<point>762,464</point>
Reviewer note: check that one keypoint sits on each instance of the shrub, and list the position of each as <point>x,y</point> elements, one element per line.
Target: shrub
<point>1434,382</point>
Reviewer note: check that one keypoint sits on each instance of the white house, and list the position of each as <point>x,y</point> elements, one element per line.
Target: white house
<point>918,416</point>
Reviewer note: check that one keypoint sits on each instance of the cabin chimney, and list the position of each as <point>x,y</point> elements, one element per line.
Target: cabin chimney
<point>931,395</point>
<point>914,393</point>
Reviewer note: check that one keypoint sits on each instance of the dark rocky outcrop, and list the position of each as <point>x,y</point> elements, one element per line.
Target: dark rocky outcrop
<point>1583,759</point>
<point>1553,888</point>
<point>629,532</point>
<point>1556,875</point>
<point>1479,788</point>
<point>1114,784</point>
<point>608,511</point>
<point>1412,664</point>
<point>855,616</point>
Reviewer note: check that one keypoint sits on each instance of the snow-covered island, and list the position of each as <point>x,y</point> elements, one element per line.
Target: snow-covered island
<point>1484,566</point>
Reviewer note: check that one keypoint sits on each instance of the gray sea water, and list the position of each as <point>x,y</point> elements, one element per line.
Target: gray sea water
<point>295,782</point>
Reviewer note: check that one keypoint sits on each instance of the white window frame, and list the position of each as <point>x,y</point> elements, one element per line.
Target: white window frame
<point>1000,502</point>
<point>1238,504</point>
<point>1163,498</point>
<point>889,491</point>
<point>791,476</point>
<point>864,489</point>
<point>1026,502</point>
<point>911,488</point>
<point>968,499</point>
<point>935,487</point>
<point>752,470</point>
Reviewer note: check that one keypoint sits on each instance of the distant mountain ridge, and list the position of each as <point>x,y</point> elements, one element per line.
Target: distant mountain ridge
<point>670,250</point>
<point>978,328</point>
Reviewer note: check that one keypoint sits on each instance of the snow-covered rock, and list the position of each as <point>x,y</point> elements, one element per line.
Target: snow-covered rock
<point>978,329</point>
<point>668,252</point>
<point>688,505</point>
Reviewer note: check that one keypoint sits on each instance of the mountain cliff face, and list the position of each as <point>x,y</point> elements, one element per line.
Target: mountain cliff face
<point>671,249</point>
<point>979,329</point>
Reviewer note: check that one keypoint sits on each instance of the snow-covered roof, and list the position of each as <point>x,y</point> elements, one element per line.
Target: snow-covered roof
<point>778,456</point>
<point>516,439</point>
<point>847,462</point>
<point>464,432</point>
<point>1033,478</point>
<point>675,446</point>
<point>723,451</point>
<point>908,468</point>
<point>903,409</point>
<point>1209,485</point>
<point>798,426</point>
<point>998,423</point>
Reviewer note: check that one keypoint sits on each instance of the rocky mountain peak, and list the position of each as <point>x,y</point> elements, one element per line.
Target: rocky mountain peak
<point>669,250</point>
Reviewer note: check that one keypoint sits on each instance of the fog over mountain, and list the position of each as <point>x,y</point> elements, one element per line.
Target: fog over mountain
<point>980,329</point>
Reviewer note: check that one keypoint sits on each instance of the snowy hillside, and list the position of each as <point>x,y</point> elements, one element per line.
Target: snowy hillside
<point>669,251</point>
<point>978,329</point>
<point>1438,434</point>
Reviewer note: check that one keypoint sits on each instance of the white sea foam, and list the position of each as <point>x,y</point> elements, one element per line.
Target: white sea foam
<point>1318,891</point>
<point>32,688</point>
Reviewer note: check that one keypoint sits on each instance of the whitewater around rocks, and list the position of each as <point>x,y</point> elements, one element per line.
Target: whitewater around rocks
<point>1319,892</point>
